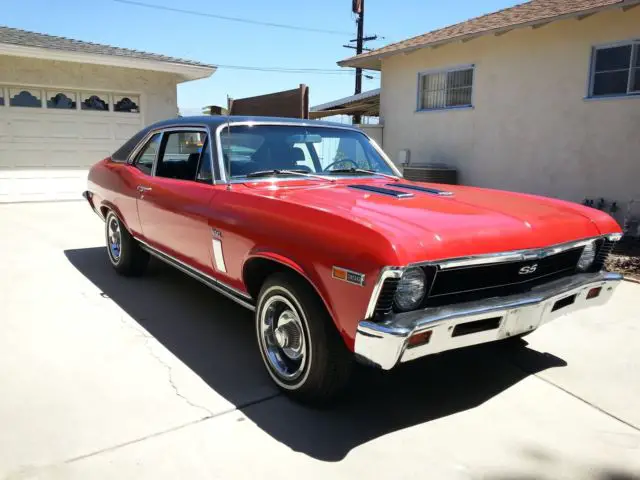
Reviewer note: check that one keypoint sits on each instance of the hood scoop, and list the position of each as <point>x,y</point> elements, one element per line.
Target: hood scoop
<point>382,191</point>
<point>418,188</point>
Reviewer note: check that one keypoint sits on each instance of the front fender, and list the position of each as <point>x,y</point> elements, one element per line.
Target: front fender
<point>309,274</point>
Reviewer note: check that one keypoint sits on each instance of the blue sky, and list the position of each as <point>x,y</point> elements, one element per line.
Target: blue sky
<point>222,42</point>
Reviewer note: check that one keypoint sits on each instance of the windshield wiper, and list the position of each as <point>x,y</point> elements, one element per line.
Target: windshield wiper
<point>362,170</point>
<point>276,171</point>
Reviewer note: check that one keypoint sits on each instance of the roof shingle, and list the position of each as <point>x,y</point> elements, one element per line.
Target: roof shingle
<point>522,14</point>
<point>14,36</point>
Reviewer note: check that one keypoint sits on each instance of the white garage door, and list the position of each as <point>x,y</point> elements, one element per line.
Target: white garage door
<point>49,138</point>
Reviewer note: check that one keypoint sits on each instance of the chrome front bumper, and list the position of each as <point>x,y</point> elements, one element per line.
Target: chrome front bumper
<point>385,344</point>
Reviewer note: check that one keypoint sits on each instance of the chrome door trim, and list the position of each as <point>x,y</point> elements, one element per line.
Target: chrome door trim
<point>220,127</point>
<point>220,287</point>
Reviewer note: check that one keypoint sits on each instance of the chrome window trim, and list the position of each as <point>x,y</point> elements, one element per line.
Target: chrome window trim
<point>164,130</point>
<point>232,293</point>
<point>222,126</point>
<point>385,273</point>
<point>136,151</point>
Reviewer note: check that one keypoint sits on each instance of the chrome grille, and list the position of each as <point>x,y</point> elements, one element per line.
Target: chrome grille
<point>385,300</point>
<point>463,284</point>
<point>605,247</point>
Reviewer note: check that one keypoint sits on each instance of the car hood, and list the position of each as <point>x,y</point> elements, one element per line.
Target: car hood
<point>428,226</point>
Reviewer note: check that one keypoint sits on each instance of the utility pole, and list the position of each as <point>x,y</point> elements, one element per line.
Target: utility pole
<point>357,7</point>
<point>359,45</point>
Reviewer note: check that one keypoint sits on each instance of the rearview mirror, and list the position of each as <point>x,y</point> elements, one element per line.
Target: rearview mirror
<point>304,138</point>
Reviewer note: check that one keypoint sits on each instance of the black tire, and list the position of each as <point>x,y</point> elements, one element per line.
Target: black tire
<point>129,259</point>
<point>328,363</point>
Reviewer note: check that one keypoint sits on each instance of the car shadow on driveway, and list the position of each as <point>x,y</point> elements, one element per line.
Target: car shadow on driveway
<point>214,337</point>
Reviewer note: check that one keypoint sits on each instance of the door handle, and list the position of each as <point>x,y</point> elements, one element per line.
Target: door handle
<point>143,189</point>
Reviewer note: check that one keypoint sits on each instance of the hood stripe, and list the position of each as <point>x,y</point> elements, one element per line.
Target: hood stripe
<point>382,191</point>
<point>419,188</point>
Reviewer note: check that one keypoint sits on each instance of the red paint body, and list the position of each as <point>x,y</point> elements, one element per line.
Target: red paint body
<point>312,226</point>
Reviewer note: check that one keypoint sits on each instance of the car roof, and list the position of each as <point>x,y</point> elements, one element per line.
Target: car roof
<point>214,121</point>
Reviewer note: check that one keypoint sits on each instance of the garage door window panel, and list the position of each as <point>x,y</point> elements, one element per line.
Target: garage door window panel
<point>25,98</point>
<point>61,100</point>
<point>95,101</point>
<point>147,156</point>
<point>180,157</point>
<point>126,103</point>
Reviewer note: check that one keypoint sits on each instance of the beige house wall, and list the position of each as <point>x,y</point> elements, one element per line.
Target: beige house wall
<point>157,90</point>
<point>531,128</point>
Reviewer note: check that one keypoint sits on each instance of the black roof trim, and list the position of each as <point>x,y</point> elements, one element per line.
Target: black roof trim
<point>382,191</point>
<point>419,188</point>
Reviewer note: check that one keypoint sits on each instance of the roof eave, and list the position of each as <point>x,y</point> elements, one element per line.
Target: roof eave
<point>185,72</point>
<point>374,61</point>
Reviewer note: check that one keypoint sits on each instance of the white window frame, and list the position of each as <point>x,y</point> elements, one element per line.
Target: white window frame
<point>635,48</point>
<point>447,70</point>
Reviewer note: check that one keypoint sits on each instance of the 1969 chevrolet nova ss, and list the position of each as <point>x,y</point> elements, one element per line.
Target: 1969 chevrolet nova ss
<point>309,225</point>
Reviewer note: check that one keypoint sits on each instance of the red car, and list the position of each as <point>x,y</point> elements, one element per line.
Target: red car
<point>311,226</point>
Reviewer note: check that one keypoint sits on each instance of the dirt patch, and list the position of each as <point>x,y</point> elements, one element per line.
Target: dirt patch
<point>625,259</point>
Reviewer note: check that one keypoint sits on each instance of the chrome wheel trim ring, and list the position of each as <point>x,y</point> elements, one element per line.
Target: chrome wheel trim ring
<point>114,238</point>
<point>287,357</point>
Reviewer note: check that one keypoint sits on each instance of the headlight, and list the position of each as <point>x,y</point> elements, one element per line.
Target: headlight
<point>411,289</point>
<point>587,257</point>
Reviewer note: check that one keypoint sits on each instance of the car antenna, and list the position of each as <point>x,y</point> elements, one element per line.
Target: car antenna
<point>229,103</point>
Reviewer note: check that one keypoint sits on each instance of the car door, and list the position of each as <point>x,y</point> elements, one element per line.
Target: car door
<point>173,206</point>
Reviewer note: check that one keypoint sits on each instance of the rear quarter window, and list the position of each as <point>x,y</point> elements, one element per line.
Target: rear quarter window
<point>122,154</point>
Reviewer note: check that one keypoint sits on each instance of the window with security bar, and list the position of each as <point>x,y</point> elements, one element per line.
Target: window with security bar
<point>451,88</point>
<point>615,70</point>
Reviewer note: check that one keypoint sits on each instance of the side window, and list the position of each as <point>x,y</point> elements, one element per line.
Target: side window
<point>180,156</point>
<point>144,161</point>
<point>205,175</point>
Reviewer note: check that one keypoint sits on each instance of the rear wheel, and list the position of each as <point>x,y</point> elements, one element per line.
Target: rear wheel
<point>300,346</point>
<point>124,252</point>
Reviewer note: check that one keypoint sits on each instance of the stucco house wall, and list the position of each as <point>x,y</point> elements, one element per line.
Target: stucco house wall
<point>157,89</point>
<point>531,128</point>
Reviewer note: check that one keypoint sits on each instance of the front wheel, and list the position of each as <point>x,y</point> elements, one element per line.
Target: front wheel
<point>299,343</point>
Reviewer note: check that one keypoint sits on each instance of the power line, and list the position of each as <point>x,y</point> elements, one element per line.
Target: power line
<point>322,71</point>
<point>231,19</point>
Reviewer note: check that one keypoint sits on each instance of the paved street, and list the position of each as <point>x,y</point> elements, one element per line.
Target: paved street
<point>105,377</point>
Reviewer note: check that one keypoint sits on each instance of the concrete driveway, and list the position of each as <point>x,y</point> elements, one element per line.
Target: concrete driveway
<point>104,377</point>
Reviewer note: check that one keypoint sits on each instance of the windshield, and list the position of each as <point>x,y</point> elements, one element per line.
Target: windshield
<point>248,149</point>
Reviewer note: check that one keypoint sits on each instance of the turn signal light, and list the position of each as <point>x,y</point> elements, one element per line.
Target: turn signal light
<point>594,292</point>
<point>418,339</point>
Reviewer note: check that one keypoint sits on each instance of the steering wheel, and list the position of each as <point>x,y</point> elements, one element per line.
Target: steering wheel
<point>328,167</point>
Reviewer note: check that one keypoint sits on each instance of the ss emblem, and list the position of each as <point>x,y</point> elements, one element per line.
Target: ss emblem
<point>528,269</point>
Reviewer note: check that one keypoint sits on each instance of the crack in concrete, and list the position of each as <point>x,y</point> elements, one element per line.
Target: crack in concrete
<point>171,381</point>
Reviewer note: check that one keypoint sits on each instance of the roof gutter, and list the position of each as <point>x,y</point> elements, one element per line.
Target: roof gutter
<point>185,71</point>
<point>372,60</point>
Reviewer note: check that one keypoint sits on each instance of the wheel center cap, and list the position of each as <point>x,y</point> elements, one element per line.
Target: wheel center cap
<point>282,336</point>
